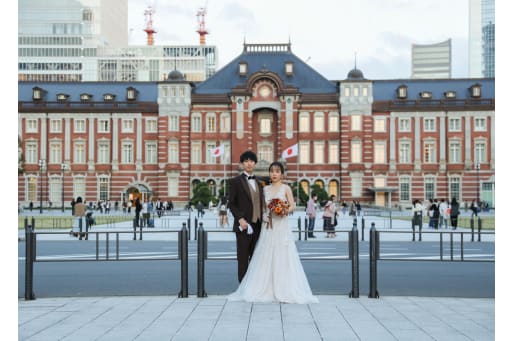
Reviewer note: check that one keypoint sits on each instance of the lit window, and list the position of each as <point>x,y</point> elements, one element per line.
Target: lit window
<point>355,123</point>
<point>289,68</point>
<point>304,122</point>
<point>318,123</point>
<point>379,125</point>
<point>334,122</point>
<point>429,152</point>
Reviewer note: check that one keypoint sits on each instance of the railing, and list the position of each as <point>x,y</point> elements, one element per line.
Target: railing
<point>31,253</point>
<point>202,256</point>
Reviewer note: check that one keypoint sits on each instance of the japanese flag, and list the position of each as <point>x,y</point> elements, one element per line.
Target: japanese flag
<point>218,151</point>
<point>291,151</point>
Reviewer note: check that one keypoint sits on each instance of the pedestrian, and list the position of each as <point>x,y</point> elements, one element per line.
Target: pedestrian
<point>79,223</point>
<point>311,213</point>
<point>474,209</point>
<point>417,210</point>
<point>200,209</point>
<point>444,215</point>
<point>247,203</point>
<point>31,206</point>
<point>138,208</point>
<point>358,208</point>
<point>454,213</point>
<point>223,212</point>
<point>329,217</point>
<point>145,212</point>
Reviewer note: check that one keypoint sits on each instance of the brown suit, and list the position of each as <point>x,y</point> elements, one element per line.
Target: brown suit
<point>241,206</point>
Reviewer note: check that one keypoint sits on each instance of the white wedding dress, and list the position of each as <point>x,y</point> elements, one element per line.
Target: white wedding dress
<point>275,272</point>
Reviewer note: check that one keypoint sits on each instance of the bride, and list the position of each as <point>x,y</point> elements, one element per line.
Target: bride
<point>275,273</point>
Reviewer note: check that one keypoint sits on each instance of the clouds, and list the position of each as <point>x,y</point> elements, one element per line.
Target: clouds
<point>328,31</point>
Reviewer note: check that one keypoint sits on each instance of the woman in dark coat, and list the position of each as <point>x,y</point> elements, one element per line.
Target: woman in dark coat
<point>454,213</point>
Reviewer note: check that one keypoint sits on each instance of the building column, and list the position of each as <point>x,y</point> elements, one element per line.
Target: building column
<point>392,143</point>
<point>468,142</point>
<point>91,144</point>
<point>67,140</point>
<point>115,142</point>
<point>442,143</point>
<point>417,143</point>
<point>138,148</point>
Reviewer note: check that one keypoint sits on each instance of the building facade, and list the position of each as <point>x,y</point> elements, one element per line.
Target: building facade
<point>481,38</point>
<point>432,60</point>
<point>382,142</point>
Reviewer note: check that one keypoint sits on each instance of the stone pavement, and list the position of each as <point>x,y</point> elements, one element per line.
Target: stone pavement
<point>335,317</point>
<point>214,318</point>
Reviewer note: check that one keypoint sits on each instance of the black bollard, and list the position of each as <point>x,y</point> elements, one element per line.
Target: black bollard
<point>472,225</point>
<point>374,247</point>
<point>80,228</point>
<point>413,230</point>
<point>134,228</point>
<point>140,230</point>
<point>479,228</point>
<point>362,229</point>
<point>354,239</point>
<point>419,229</point>
<point>29,262</point>
<point>201,256</point>
<point>306,228</point>
<point>183,251</point>
<point>300,230</point>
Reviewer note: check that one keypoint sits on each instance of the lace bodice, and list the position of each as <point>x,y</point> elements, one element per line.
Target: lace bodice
<point>271,193</point>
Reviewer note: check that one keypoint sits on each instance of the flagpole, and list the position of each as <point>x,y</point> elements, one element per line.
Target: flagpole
<point>297,203</point>
<point>224,161</point>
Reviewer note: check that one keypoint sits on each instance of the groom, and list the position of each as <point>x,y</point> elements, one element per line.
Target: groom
<point>246,203</point>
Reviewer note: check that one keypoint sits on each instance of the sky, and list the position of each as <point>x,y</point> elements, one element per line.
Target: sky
<point>331,35</point>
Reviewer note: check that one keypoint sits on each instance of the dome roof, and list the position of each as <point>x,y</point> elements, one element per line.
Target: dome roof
<point>175,75</point>
<point>355,74</point>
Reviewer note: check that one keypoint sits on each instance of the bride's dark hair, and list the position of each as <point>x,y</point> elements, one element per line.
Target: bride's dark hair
<point>276,164</point>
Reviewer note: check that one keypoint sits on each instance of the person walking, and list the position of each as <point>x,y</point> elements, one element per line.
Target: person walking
<point>223,212</point>
<point>275,273</point>
<point>417,210</point>
<point>246,203</point>
<point>311,213</point>
<point>79,224</point>
<point>454,213</point>
<point>329,217</point>
<point>138,208</point>
<point>474,209</point>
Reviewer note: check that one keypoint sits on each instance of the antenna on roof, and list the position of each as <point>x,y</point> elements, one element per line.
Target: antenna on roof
<point>355,60</point>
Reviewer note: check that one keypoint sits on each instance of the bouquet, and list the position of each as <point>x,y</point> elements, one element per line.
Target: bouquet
<point>277,207</point>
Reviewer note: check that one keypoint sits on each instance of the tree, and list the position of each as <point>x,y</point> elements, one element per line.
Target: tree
<point>202,193</point>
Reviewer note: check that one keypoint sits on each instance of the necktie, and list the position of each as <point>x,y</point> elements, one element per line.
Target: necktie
<point>250,177</point>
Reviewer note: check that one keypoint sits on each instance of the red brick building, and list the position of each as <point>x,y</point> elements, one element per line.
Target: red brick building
<point>382,142</point>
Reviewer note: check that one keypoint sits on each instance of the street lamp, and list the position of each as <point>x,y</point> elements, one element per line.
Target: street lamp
<point>41,165</point>
<point>63,168</point>
<point>478,183</point>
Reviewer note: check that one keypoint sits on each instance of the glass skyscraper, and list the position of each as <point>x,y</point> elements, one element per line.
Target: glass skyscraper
<point>481,38</point>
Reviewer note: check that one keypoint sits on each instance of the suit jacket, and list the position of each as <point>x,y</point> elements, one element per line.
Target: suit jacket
<point>240,203</point>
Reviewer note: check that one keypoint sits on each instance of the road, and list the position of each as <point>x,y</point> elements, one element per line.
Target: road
<point>401,274</point>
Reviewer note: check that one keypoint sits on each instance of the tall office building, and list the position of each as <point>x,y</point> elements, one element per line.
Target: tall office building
<point>87,40</point>
<point>481,38</point>
<point>432,60</point>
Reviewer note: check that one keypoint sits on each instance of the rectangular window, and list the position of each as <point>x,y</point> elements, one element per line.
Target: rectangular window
<point>333,152</point>
<point>356,151</point>
<point>379,153</point>
<point>404,124</point>
<point>304,122</point>
<point>334,122</point>
<point>210,124</point>
<point>405,189</point>
<point>55,126</point>
<point>196,153</point>
<point>480,124</point>
<point>173,185</point>
<point>356,91</point>
<point>430,188</point>
<point>173,152</point>
<point>127,125</point>
<point>480,155</point>
<point>78,187</point>
<point>196,123</point>
<point>454,124</point>
<point>103,126</point>
<point>103,153</point>
<point>225,123</point>
<point>347,91</point>
<point>455,155</point>
<point>103,186</point>
<point>31,126</point>
<point>151,125</point>
<point>357,186</point>
<point>265,153</point>
<point>127,152</point>
<point>379,125</point>
<point>265,126</point>
<point>55,152</point>
<point>209,158</point>
<point>31,152</point>
<point>318,124</point>
<point>304,152</point>
<point>79,152</point>
<point>79,125</point>
<point>32,189</point>
<point>355,123</point>
<point>365,91</point>
<point>429,152</point>
<point>173,123</point>
<point>404,152</point>
<point>319,152</point>
<point>429,124</point>
<point>151,152</point>
<point>455,188</point>
<point>55,190</point>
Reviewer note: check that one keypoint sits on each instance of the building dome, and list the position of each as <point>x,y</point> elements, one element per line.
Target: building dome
<point>355,74</point>
<point>175,75</point>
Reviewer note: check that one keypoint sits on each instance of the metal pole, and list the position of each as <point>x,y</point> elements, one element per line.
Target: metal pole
<point>413,230</point>
<point>373,262</point>
<point>41,164</point>
<point>29,263</point>
<point>355,262</point>
<point>479,228</point>
<point>201,256</point>
<point>63,167</point>
<point>306,228</point>
<point>134,228</point>
<point>478,183</point>
<point>472,225</point>
<point>362,229</point>
<point>183,242</point>
<point>298,222</point>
